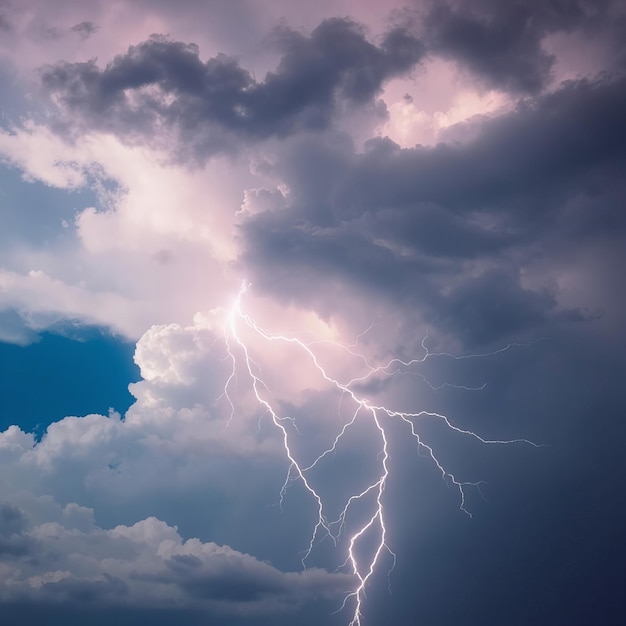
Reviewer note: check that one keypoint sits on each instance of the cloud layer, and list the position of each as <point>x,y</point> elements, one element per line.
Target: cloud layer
<point>166,171</point>
<point>216,104</point>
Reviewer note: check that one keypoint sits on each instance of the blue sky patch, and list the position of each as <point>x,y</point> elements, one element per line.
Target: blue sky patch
<point>59,376</point>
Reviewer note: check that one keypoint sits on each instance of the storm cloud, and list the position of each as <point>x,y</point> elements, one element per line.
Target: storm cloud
<point>501,42</point>
<point>427,198</point>
<point>215,104</point>
<point>404,222</point>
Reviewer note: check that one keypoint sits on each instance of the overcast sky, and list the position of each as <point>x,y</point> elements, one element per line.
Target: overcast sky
<point>312,313</point>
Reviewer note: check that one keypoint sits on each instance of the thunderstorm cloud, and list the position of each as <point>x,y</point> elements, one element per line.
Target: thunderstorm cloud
<point>382,183</point>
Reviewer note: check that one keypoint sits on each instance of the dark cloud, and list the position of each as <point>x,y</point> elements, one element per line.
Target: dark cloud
<point>539,148</point>
<point>76,591</point>
<point>459,234</point>
<point>542,147</point>
<point>13,543</point>
<point>234,584</point>
<point>451,226</point>
<point>84,29</point>
<point>57,614</point>
<point>6,16</point>
<point>162,83</point>
<point>237,582</point>
<point>546,549</point>
<point>11,519</point>
<point>501,42</point>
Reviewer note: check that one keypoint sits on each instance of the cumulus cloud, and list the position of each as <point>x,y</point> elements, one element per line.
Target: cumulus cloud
<point>417,217</point>
<point>178,414</point>
<point>171,442</point>
<point>160,84</point>
<point>149,227</point>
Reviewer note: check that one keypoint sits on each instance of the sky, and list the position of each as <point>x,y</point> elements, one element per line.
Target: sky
<point>312,312</point>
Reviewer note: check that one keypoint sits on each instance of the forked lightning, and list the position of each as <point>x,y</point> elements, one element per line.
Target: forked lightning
<point>374,523</point>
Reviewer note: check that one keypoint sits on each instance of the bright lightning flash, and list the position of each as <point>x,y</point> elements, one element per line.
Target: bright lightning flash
<point>374,524</point>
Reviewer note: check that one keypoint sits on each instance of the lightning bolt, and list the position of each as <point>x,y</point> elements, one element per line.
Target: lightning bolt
<point>374,523</point>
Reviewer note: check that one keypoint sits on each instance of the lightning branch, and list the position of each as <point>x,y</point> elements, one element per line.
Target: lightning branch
<point>361,567</point>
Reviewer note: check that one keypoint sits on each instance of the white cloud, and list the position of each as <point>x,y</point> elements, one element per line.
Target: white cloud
<point>159,251</point>
<point>172,443</point>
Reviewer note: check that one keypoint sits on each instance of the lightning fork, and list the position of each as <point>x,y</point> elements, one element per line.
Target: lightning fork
<point>362,568</point>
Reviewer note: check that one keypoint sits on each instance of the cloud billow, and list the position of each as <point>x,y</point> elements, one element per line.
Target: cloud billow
<point>453,226</point>
<point>510,230</point>
<point>501,42</point>
<point>57,553</point>
<point>146,565</point>
<point>162,84</point>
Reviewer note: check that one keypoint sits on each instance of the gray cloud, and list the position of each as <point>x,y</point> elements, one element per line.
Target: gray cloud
<point>214,104</point>
<point>540,147</point>
<point>479,237</point>
<point>5,23</point>
<point>451,227</point>
<point>13,543</point>
<point>501,42</point>
<point>142,566</point>
<point>84,29</point>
